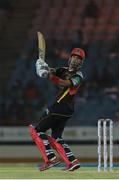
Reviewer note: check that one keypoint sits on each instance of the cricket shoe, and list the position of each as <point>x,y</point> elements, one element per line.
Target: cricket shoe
<point>49,164</point>
<point>73,166</point>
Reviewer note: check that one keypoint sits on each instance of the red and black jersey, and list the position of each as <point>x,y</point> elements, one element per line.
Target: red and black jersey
<point>64,103</point>
<point>74,77</point>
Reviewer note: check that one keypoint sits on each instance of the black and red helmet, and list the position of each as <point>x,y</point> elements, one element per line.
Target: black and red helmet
<point>76,64</point>
<point>78,51</point>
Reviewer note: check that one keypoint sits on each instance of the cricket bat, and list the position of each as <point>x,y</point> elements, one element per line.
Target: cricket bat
<point>41,45</point>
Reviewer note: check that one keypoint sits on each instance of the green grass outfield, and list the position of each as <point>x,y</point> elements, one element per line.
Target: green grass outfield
<point>22,171</point>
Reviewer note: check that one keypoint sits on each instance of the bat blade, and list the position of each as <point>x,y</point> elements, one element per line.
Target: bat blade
<point>41,45</point>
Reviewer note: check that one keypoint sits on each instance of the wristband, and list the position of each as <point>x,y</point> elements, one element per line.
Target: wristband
<point>55,79</point>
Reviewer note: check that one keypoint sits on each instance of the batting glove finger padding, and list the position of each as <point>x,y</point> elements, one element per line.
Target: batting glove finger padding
<point>41,65</point>
<point>42,73</point>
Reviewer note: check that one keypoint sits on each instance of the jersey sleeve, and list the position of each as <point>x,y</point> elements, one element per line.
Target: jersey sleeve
<point>76,80</point>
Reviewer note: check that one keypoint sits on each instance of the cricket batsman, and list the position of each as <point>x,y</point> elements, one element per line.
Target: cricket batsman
<point>68,80</point>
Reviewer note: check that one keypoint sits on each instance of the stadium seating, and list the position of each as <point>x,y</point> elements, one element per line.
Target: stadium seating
<point>60,21</point>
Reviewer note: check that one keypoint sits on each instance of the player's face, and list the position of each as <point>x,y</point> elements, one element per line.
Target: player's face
<point>75,62</point>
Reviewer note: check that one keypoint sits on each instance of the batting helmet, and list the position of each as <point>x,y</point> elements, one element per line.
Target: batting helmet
<point>78,51</point>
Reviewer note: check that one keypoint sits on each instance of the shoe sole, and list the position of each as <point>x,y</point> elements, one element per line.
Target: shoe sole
<point>58,162</point>
<point>51,165</point>
<point>76,166</point>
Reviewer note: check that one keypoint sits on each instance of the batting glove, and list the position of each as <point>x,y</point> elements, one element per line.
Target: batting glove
<point>40,64</point>
<point>42,73</point>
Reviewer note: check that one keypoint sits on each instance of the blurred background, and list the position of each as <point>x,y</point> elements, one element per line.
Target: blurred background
<point>90,24</point>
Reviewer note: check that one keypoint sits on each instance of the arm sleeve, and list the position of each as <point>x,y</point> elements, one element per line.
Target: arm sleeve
<point>76,80</point>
